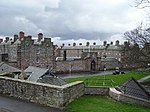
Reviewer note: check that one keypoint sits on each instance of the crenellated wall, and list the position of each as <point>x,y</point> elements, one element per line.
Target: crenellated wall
<point>49,95</point>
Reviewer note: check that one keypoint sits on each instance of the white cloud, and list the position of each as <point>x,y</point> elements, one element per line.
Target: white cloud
<point>70,19</point>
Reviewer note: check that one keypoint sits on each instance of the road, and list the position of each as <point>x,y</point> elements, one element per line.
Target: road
<point>9,104</point>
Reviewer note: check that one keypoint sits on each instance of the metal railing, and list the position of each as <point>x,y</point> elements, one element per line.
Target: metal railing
<point>99,82</point>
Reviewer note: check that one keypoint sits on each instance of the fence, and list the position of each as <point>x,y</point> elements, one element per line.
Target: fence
<point>99,82</point>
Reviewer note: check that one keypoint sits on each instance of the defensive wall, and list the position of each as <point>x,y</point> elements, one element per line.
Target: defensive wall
<point>49,95</point>
<point>59,96</point>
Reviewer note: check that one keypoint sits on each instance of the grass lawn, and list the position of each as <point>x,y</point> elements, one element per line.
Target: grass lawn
<point>119,79</point>
<point>102,104</point>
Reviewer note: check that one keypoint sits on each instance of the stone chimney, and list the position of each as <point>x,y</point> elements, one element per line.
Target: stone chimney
<point>40,37</point>
<point>15,37</point>
<point>6,39</point>
<point>126,44</point>
<point>87,43</point>
<point>80,44</point>
<point>63,45</point>
<point>111,43</point>
<point>21,35</point>
<point>104,43</point>
<point>1,40</point>
<point>74,44</point>
<point>94,43</point>
<point>117,43</point>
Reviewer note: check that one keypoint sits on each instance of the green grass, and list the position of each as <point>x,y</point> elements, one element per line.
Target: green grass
<point>102,104</point>
<point>119,79</point>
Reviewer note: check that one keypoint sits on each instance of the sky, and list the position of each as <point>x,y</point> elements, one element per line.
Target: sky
<point>68,21</point>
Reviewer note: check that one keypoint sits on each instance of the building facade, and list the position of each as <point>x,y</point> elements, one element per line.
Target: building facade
<point>23,51</point>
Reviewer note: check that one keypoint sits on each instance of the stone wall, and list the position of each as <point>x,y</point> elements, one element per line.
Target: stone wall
<point>127,98</point>
<point>49,95</point>
<point>72,66</point>
<point>96,90</point>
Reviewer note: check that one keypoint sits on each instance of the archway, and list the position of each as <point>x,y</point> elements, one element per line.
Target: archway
<point>93,65</point>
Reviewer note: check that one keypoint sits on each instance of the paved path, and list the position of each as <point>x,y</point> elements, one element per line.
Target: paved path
<point>9,104</point>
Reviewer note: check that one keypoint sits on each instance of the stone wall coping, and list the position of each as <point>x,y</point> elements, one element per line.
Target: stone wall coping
<point>115,91</point>
<point>97,87</point>
<point>42,84</point>
<point>71,84</point>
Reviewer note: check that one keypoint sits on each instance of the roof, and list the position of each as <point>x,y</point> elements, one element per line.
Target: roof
<point>52,80</point>
<point>91,47</point>
<point>109,59</point>
<point>5,68</point>
<point>67,58</point>
<point>133,88</point>
<point>35,73</point>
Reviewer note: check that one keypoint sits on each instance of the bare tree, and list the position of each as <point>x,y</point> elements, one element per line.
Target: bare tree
<point>139,35</point>
<point>142,3</point>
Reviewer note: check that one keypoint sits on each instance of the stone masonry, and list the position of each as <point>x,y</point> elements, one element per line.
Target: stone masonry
<point>49,95</point>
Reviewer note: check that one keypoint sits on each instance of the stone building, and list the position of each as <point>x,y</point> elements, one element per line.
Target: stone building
<point>79,58</point>
<point>23,51</point>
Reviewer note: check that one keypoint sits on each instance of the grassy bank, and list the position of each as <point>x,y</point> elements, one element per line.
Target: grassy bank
<point>119,79</point>
<point>102,104</point>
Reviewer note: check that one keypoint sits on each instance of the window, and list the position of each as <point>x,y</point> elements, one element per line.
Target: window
<point>38,51</point>
<point>5,57</point>
<point>37,60</point>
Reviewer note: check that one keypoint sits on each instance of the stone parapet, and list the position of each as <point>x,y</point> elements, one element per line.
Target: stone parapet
<point>119,96</point>
<point>49,95</point>
<point>96,90</point>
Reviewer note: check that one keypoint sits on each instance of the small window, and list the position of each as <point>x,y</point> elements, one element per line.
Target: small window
<point>38,52</point>
<point>5,57</point>
<point>37,60</point>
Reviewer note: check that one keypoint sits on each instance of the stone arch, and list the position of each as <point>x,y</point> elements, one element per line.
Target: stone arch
<point>93,65</point>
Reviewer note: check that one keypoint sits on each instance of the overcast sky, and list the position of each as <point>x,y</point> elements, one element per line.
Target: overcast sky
<point>70,20</point>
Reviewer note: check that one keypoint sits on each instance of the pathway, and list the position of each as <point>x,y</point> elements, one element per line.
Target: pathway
<point>9,104</point>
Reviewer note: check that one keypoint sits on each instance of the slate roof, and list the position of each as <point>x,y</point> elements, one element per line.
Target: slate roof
<point>67,58</point>
<point>35,73</point>
<point>5,68</point>
<point>133,88</point>
<point>43,76</point>
<point>91,47</point>
<point>52,80</point>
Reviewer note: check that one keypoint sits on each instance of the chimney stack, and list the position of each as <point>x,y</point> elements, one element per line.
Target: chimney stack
<point>21,35</point>
<point>74,44</point>
<point>7,39</point>
<point>80,44</point>
<point>117,43</point>
<point>1,40</point>
<point>94,43</point>
<point>40,37</point>
<point>15,37</point>
<point>104,43</point>
<point>87,43</point>
<point>111,43</point>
